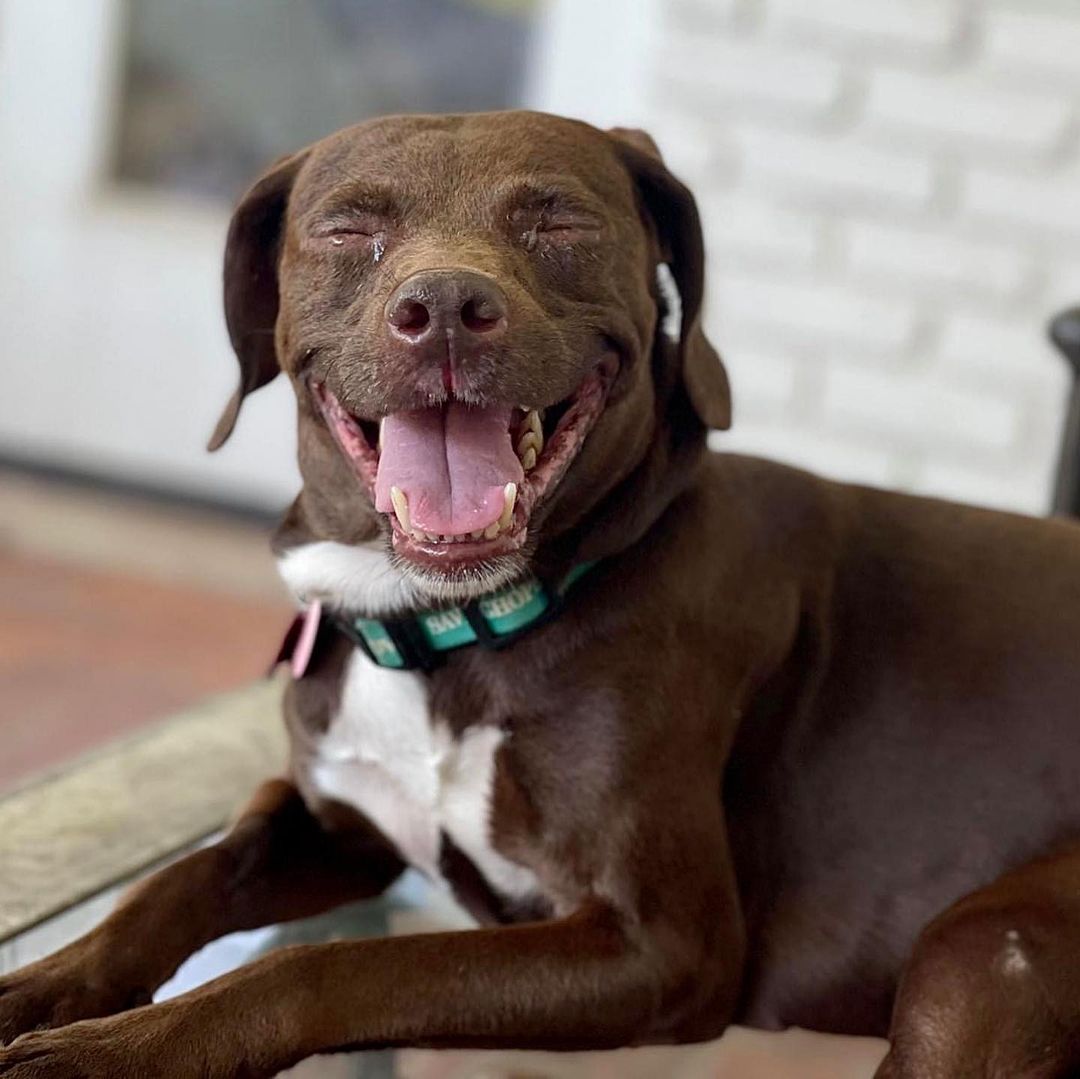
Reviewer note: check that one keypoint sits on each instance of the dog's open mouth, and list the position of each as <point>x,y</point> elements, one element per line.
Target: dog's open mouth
<point>459,482</point>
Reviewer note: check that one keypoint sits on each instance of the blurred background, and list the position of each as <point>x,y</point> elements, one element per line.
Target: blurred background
<point>891,193</point>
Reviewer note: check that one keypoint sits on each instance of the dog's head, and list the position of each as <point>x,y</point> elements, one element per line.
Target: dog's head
<point>470,312</point>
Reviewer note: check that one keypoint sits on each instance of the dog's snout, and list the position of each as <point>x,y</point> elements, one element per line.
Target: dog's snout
<point>465,306</point>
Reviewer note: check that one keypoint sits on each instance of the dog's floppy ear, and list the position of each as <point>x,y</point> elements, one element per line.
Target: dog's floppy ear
<point>251,284</point>
<point>674,213</point>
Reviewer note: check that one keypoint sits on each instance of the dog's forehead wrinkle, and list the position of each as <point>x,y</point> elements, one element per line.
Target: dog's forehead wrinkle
<point>345,202</point>
<point>439,161</point>
<point>540,187</point>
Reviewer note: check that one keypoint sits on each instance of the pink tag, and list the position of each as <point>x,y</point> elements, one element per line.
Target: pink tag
<point>305,643</point>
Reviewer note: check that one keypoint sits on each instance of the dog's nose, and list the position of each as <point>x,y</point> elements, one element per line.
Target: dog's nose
<point>464,306</point>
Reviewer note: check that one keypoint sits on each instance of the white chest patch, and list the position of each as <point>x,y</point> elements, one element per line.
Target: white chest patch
<point>385,755</point>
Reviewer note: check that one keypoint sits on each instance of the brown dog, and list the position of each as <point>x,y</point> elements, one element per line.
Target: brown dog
<point>772,747</point>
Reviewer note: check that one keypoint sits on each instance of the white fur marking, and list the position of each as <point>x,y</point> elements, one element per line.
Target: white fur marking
<point>363,578</point>
<point>671,326</point>
<point>410,776</point>
<point>1014,963</point>
<point>357,577</point>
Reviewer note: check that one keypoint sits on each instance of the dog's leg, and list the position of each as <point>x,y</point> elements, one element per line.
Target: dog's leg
<point>586,981</point>
<point>275,864</point>
<point>993,986</point>
<point>653,952</point>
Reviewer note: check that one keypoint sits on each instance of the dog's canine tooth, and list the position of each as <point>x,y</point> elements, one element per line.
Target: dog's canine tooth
<point>492,530</point>
<point>532,421</point>
<point>401,507</point>
<point>528,459</point>
<point>509,498</point>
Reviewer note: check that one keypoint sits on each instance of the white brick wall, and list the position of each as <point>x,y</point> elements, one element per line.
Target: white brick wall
<point>945,111</point>
<point>891,194</point>
<point>919,29</point>
<point>1033,41</point>
<point>771,79</point>
<point>929,260</point>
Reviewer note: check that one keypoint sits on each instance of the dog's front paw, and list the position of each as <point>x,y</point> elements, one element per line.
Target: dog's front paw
<point>65,1053</point>
<point>184,1038</point>
<point>56,991</point>
<point>149,1043</point>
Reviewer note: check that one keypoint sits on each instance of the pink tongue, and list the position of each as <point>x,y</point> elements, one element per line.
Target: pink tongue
<point>452,463</point>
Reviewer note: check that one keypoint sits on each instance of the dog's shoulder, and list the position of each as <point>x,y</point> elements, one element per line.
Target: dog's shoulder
<point>756,521</point>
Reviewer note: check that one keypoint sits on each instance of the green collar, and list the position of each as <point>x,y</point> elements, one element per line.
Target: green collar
<point>419,641</point>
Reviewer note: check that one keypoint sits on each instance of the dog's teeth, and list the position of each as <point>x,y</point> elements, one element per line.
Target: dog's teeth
<point>509,498</point>
<point>427,537</point>
<point>528,459</point>
<point>401,507</point>
<point>478,534</point>
<point>492,530</point>
<point>532,435</point>
<point>529,440</point>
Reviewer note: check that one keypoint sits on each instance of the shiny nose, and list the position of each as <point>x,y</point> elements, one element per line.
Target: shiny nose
<point>464,306</point>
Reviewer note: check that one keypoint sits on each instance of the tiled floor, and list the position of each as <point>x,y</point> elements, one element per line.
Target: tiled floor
<point>114,613</point>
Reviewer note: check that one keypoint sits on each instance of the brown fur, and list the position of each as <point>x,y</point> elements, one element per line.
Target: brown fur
<point>790,743</point>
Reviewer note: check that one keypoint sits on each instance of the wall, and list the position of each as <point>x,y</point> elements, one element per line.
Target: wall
<point>113,354</point>
<point>892,197</point>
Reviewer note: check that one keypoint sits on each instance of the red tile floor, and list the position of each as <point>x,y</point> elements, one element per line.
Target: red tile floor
<point>114,614</point>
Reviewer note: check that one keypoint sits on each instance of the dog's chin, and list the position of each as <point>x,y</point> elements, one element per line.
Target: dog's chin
<point>461,583</point>
<point>534,448</point>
